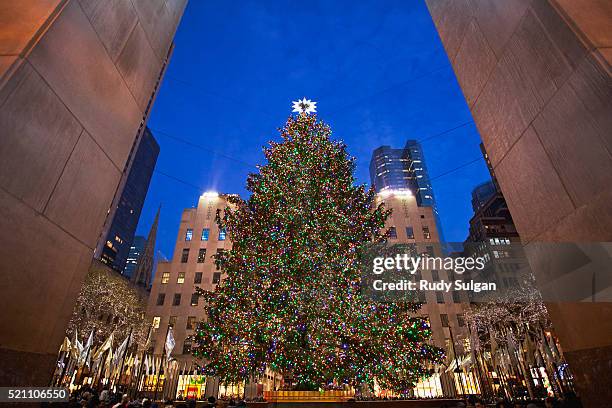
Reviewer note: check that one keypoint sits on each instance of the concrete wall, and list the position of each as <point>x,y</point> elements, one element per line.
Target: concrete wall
<point>75,80</point>
<point>536,76</point>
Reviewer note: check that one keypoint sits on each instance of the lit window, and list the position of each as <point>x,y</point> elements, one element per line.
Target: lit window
<point>216,277</point>
<point>426,233</point>
<point>185,255</point>
<point>172,321</point>
<point>195,299</point>
<point>201,255</point>
<point>191,322</point>
<point>392,233</point>
<point>205,233</point>
<point>188,234</point>
<point>165,277</point>
<point>181,277</point>
<point>187,347</point>
<point>160,299</point>
<point>156,321</point>
<point>409,232</point>
<point>222,234</point>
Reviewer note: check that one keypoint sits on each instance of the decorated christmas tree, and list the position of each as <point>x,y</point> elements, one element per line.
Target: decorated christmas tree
<point>290,300</point>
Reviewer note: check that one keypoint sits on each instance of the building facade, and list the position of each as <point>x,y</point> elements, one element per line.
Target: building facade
<point>118,233</point>
<point>77,81</point>
<point>410,223</point>
<point>173,300</point>
<point>404,169</point>
<point>536,75</point>
<point>396,169</point>
<point>136,249</point>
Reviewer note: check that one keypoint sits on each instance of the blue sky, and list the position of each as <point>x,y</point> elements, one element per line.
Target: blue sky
<point>376,68</point>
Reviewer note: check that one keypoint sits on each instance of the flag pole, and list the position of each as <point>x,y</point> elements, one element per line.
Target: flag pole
<point>159,372</point>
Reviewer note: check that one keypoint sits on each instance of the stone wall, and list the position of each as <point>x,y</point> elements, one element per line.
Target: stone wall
<point>76,77</point>
<point>536,76</point>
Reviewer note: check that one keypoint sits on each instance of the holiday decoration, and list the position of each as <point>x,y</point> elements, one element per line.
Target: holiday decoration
<point>290,298</point>
<point>304,106</point>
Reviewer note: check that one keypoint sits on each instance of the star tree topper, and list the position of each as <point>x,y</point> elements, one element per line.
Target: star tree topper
<point>304,106</point>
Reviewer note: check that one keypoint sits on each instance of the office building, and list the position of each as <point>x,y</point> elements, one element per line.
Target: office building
<point>77,81</point>
<point>410,223</point>
<point>173,300</point>
<point>118,232</point>
<point>136,250</point>
<point>404,169</point>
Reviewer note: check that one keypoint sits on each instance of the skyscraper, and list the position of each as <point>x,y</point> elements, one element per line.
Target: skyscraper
<point>399,169</point>
<point>136,250</point>
<point>119,229</point>
<point>404,169</point>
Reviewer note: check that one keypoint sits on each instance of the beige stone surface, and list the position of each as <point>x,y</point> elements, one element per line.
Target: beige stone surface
<point>20,21</point>
<point>84,192</point>
<point>38,135</point>
<point>474,63</point>
<point>41,259</point>
<point>139,66</point>
<point>113,21</point>
<point>87,81</point>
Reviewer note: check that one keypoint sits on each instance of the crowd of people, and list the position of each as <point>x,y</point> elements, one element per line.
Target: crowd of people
<point>88,397</point>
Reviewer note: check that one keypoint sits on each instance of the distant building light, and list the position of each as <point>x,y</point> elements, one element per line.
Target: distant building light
<point>210,194</point>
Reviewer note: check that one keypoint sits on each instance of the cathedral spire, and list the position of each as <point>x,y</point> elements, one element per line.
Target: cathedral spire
<point>144,270</point>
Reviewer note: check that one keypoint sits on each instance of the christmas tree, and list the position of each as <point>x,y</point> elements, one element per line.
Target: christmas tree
<point>290,299</point>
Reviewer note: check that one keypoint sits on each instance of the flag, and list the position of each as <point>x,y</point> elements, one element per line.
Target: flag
<point>85,354</point>
<point>170,343</point>
<point>147,365</point>
<point>65,347</point>
<point>121,350</point>
<point>108,364</point>
<point>108,343</point>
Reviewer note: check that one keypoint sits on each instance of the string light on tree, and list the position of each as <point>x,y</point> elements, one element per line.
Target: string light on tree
<point>290,300</point>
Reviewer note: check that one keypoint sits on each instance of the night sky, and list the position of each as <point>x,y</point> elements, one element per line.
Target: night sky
<point>376,68</point>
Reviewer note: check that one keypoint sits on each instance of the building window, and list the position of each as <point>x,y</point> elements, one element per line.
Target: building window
<point>160,299</point>
<point>165,277</point>
<point>409,232</point>
<point>201,255</point>
<point>430,251</point>
<point>194,299</point>
<point>188,234</point>
<point>222,234</point>
<point>440,297</point>
<point>456,298</point>
<point>426,233</point>
<point>156,322</point>
<point>172,321</point>
<point>181,277</point>
<point>392,233</point>
<point>216,277</point>
<point>185,255</point>
<point>205,233</point>
<point>219,259</point>
<point>435,275</point>
<point>177,299</point>
<point>444,318</point>
<point>191,322</point>
<point>187,347</point>
<point>198,277</point>
<point>460,320</point>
